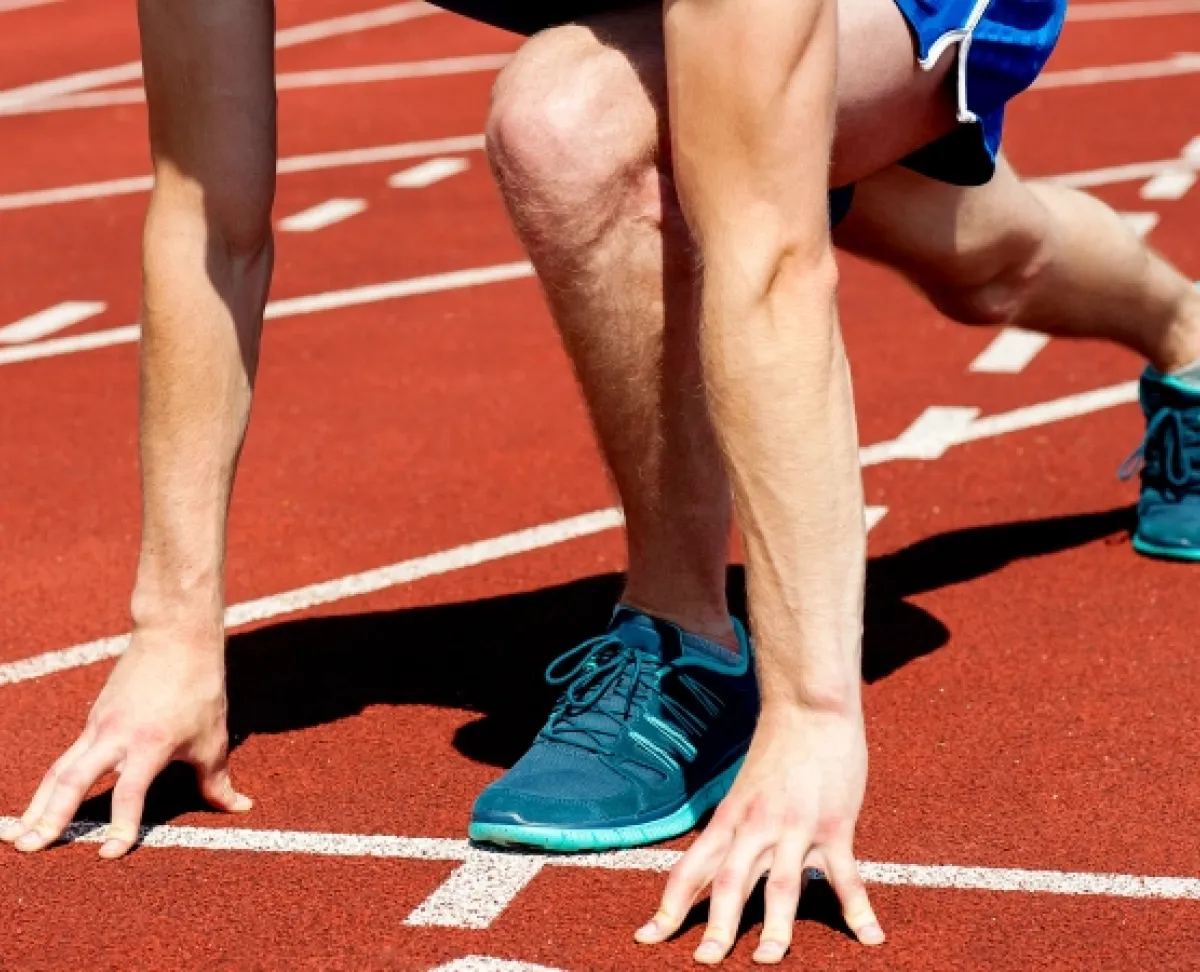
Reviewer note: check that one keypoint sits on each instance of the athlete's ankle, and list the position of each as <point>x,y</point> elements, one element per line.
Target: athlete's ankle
<point>704,617</point>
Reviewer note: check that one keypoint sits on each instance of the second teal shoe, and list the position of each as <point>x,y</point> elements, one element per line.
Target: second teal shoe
<point>1168,511</point>
<point>646,738</point>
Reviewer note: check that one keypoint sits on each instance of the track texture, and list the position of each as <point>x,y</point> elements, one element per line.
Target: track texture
<point>1033,685</point>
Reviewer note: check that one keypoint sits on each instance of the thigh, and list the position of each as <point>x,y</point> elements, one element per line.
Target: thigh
<point>887,105</point>
<point>932,231</point>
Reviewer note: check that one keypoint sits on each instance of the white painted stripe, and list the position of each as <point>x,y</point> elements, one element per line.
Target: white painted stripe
<point>650,859</point>
<point>477,892</point>
<point>7,5</point>
<point>1169,184</point>
<point>1141,223</point>
<point>1106,176</point>
<point>74,344</point>
<point>1130,9</point>
<point>1176,64</point>
<point>935,430</point>
<point>873,515</point>
<point>426,174</point>
<point>1046,413</point>
<point>1010,352</point>
<point>287,307</point>
<point>289,81</point>
<point>298,163</point>
<point>322,214</point>
<point>50,320</point>
<point>288,37</point>
<point>327,592</point>
<point>483,963</point>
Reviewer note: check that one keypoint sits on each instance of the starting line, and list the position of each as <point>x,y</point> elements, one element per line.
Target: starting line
<point>486,882</point>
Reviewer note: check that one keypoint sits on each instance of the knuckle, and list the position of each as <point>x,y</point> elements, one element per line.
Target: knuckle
<point>726,881</point>
<point>783,882</point>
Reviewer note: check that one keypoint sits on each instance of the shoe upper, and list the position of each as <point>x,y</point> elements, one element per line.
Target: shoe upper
<point>1169,457</point>
<point>642,723</point>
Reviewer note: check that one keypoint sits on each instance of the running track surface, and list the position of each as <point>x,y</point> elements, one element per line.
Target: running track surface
<point>1033,685</point>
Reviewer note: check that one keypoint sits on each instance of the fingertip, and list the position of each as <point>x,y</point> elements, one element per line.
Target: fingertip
<point>871,934</point>
<point>770,953</point>
<point>241,803</point>
<point>709,952</point>
<point>114,848</point>
<point>30,841</point>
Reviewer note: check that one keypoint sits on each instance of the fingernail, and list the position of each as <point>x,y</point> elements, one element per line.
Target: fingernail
<point>709,952</point>
<point>112,848</point>
<point>649,932</point>
<point>29,841</point>
<point>242,804</point>
<point>871,934</point>
<point>770,952</point>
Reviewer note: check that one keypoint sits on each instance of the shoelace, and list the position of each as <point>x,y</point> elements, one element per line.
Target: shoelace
<point>600,664</point>
<point>1167,430</point>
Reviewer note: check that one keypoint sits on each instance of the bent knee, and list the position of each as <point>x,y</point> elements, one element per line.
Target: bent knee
<point>990,283</point>
<point>571,128</point>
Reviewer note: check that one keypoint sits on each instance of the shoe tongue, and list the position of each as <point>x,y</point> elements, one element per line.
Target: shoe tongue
<point>639,630</point>
<point>1159,390</point>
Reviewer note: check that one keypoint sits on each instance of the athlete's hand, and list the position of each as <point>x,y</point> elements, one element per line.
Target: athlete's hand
<point>164,701</point>
<point>794,805</point>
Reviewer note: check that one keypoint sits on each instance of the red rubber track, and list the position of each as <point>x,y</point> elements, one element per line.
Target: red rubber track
<point>1033,684</point>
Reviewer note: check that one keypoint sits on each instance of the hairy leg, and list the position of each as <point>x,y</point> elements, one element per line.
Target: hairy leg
<point>1029,255</point>
<point>577,141</point>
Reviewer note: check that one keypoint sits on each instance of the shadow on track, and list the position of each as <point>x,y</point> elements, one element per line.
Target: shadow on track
<point>488,656</point>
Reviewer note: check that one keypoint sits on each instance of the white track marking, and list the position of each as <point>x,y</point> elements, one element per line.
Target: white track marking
<point>322,214</point>
<point>1188,161</point>
<point>1174,65</point>
<point>1131,9</point>
<point>425,174</point>
<point>288,307</point>
<point>288,37</point>
<point>289,81</point>
<point>935,430</point>
<point>50,320</point>
<point>1009,353</point>
<point>1141,223</point>
<point>327,592</point>
<point>654,860</point>
<point>477,892</point>
<point>320,161</point>
<point>928,438</point>
<point>1169,184</point>
<point>8,5</point>
<point>482,963</point>
<point>873,514</point>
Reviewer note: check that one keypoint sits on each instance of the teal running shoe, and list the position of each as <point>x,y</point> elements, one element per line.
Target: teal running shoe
<point>1169,459</point>
<point>646,738</point>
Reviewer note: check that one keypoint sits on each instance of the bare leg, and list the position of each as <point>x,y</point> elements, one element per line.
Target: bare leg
<point>577,145</point>
<point>1028,255</point>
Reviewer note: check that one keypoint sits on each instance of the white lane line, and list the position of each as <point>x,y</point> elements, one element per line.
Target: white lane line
<point>321,215</point>
<point>8,5</point>
<point>483,963</point>
<point>1009,353</point>
<point>397,152</point>
<point>477,891</point>
<point>1172,66</point>
<point>287,307</point>
<point>327,592</point>
<point>288,81</point>
<point>1169,184</point>
<point>1141,223</point>
<point>288,37</point>
<point>50,320</point>
<point>934,431</point>
<point>1189,160</point>
<point>425,174</point>
<point>1131,9</point>
<point>654,860</point>
<point>873,514</point>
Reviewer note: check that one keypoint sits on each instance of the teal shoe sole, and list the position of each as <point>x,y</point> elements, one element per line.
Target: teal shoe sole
<point>569,840</point>
<point>1184,554</point>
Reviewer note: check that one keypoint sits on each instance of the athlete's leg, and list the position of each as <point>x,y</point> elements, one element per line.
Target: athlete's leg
<point>577,143</point>
<point>1030,255</point>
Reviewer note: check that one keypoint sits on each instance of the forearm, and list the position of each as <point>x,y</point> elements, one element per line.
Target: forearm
<point>206,265</point>
<point>752,89</point>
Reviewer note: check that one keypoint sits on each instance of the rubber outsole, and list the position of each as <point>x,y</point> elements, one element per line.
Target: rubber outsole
<point>1181,554</point>
<point>569,840</point>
